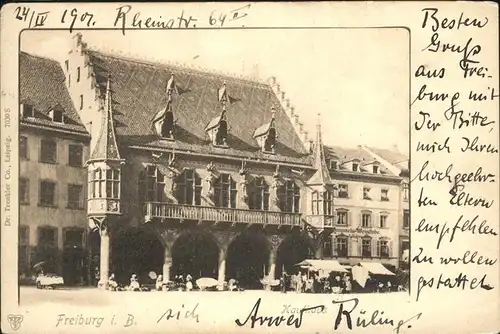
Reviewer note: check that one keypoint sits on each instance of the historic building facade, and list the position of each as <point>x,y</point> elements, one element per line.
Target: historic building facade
<point>53,147</point>
<point>398,164</point>
<point>195,172</point>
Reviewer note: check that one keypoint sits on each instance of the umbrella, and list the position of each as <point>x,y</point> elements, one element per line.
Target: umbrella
<point>39,265</point>
<point>271,282</point>
<point>152,275</point>
<point>206,282</point>
<point>360,275</point>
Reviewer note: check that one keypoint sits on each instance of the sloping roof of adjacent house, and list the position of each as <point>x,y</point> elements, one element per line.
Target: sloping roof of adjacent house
<point>394,157</point>
<point>343,154</point>
<point>139,92</point>
<point>42,85</point>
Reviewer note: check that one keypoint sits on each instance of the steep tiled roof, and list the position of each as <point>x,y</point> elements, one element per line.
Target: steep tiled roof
<point>394,157</point>
<point>139,94</point>
<point>106,147</point>
<point>322,175</point>
<point>42,85</point>
<point>342,154</point>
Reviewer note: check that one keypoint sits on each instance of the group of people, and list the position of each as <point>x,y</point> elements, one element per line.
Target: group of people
<point>300,282</point>
<point>113,285</point>
<point>179,282</point>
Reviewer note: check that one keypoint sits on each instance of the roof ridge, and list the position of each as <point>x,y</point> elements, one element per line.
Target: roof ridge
<point>182,67</point>
<point>38,56</point>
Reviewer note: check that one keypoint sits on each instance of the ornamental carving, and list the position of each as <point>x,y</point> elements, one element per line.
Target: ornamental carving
<point>243,181</point>
<point>275,241</point>
<point>224,238</point>
<point>210,179</point>
<point>113,206</point>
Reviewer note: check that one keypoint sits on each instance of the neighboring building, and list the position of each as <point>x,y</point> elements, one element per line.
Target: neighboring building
<point>53,146</point>
<point>398,164</point>
<point>196,172</point>
<point>367,206</point>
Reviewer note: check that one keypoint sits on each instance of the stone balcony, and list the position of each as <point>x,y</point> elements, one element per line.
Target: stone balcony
<point>200,214</point>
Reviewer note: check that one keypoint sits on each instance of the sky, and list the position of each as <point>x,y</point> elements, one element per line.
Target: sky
<point>357,79</point>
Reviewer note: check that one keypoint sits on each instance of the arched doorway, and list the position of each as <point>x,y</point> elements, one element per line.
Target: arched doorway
<point>136,251</point>
<point>195,253</point>
<point>248,260</point>
<point>294,249</point>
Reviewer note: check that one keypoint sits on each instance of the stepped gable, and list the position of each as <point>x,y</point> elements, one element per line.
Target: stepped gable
<point>42,85</point>
<point>139,93</point>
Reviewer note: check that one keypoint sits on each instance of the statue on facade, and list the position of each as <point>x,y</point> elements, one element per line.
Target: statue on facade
<point>276,184</point>
<point>210,179</point>
<point>243,181</point>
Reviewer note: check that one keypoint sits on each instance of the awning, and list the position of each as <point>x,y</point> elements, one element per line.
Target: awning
<point>324,265</point>
<point>376,268</point>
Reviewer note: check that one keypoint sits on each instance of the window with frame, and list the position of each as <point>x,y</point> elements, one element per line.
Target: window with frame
<point>225,192</point>
<point>406,191</point>
<point>28,110</point>
<point>78,74</point>
<point>47,237</point>
<point>366,219</point>
<point>342,246</point>
<point>343,191</point>
<point>289,197</point>
<point>75,155</point>
<point>384,195</point>
<point>328,247</point>
<point>81,102</point>
<point>105,183</point>
<point>355,167</point>
<point>342,217</point>
<point>376,169</point>
<point>57,116</point>
<point>23,147</point>
<point>383,220</point>
<point>366,247</point>
<point>73,238</point>
<point>406,219</point>
<point>383,246</point>
<point>75,196</point>
<point>47,193</point>
<point>24,191</point>
<point>113,183</point>
<point>189,188</point>
<point>404,246</point>
<point>259,196</point>
<point>333,164</point>
<point>316,203</point>
<point>48,151</point>
<point>366,193</point>
<point>155,185</point>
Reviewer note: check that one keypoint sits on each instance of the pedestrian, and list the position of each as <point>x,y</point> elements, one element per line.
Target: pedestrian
<point>189,284</point>
<point>112,285</point>
<point>159,282</point>
<point>134,283</point>
<point>283,282</point>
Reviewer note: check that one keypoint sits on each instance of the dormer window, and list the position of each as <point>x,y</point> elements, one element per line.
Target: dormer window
<point>217,129</point>
<point>376,169</point>
<point>163,121</point>
<point>355,167</point>
<point>333,164</point>
<point>27,110</point>
<point>57,115</point>
<point>266,135</point>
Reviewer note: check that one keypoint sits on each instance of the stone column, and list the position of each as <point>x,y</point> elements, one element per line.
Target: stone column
<point>272,263</point>
<point>104,256</point>
<point>167,263</point>
<point>318,252</point>
<point>222,268</point>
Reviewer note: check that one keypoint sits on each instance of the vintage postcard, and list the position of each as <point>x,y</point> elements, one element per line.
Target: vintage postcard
<point>250,167</point>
